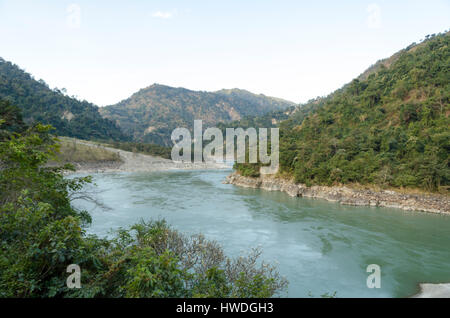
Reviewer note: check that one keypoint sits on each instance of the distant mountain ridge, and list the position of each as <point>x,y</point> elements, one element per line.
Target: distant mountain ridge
<point>69,116</point>
<point>151,114</point>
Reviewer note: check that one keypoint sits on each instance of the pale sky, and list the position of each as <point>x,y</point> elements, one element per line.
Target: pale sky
<point>103,51</point>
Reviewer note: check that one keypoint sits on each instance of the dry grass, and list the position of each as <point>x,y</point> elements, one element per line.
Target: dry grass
<point>72,151</point>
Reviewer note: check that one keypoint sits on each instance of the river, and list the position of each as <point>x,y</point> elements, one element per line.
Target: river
<point>319,246</point>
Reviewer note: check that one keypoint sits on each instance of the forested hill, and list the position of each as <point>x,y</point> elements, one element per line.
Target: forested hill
<point>39,103</point>
<point>388,128</point>
<point>151,114</point>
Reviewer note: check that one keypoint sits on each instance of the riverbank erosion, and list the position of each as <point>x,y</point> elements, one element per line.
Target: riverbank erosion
<point>433,203</point>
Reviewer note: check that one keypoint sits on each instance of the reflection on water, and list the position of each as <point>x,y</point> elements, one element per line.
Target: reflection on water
<point>320,246</point>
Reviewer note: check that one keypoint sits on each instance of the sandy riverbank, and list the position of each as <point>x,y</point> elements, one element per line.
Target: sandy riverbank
<point>136,162</point>
<point>433,291</point>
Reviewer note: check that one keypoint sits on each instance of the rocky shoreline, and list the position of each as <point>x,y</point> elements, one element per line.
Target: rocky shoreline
<point>432,203</point>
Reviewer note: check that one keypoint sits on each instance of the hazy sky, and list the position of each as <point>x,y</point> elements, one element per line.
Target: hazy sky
<point>103,51</point>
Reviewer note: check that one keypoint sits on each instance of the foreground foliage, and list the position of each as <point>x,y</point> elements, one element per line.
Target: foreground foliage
<point>41,233</point>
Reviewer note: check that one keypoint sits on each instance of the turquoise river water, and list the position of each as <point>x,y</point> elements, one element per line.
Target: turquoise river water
<point>319,246</point>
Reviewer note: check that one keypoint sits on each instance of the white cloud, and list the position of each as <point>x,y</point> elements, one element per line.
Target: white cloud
<point>163,14</point>
<point>374,18</point>
<point>73,19</point>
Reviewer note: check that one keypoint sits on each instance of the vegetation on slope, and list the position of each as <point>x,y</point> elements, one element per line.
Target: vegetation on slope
<point>12,117</point>
<point>72,151</point>
<point>69,116</point>
<point>268,120</point>
<point>151,114</point>
<point>258,103</point>
<point>390,130</point>
<point>144,148</point>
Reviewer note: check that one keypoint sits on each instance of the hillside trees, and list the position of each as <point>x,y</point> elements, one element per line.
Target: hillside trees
<point>390,128</point>
<point>40,104</point>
